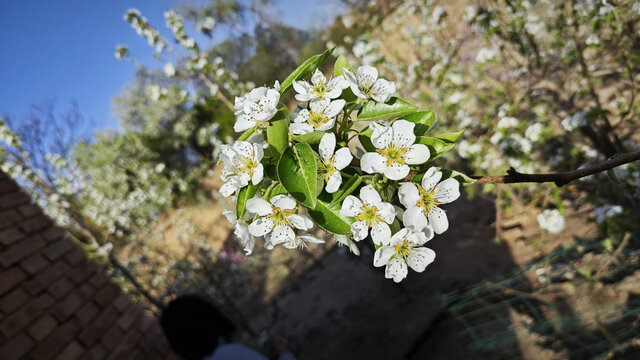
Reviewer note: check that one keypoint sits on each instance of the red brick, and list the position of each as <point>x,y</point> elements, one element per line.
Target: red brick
<point>34,263</point>
<point>8,185</point>
<point>71,352</point>
<point>99,279</point>
<point>98,352</point>
<point>16,348</point>
<point>29,210</point>
<point>14,300</point>
<point>61,287</point>
<point>53,233</point>
<point>87,312</point>
<point>128,319</point>
<point>8,218</point>
<point>105,295</point>
<point>112,338</point>
<point>68,306</point>
<point>58,248</point>
<point>83,271</point>
<point>11,235</point>
<point>58,340</point>
<point>42,327</point>
<point>36,224</point>
<point>98,326</point>
<point>11,277</point>
<point>23,317</point>
<point>45,278</point>
<point>76,256</point>
<point>21,250</point>
<point>11,200</point>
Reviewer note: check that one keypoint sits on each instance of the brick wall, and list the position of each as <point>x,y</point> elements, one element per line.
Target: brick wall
<point>54,303</point>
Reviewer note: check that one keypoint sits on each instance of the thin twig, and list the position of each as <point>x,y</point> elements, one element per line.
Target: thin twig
<point>219,93</point>
<point>561,178</point>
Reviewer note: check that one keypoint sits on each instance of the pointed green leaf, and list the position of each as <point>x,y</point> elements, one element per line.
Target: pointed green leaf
<point>342,63</point>
<point>451,137</point>
<point>423,119</point>
<point>278,190</point>
<point>278,132</point>
<point>245,194</point>
<point>312,138</point>
<point>297,171</point>
<point>393,108</point>
<point>328,218</point>
<point>463,179</point>
<point>437,147</point>
<point>304,70</point>
<point>365,140</point>
<point>247,134</point>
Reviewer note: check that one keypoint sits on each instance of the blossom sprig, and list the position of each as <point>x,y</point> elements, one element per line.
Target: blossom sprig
<point>316,174</point>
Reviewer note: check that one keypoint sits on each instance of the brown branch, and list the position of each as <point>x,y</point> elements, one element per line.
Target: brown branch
<point>561,178</point>
<point>219,93</point>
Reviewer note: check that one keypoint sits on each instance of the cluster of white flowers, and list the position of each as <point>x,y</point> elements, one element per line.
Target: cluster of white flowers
<point>604,212</point>
<point>176,24</point>
<point>551,220</point>
<point>575,121</point>
<point>141,25</point>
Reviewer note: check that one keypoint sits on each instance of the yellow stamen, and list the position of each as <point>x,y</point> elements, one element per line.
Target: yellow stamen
<point>393,154</point>
<point>427,200</point>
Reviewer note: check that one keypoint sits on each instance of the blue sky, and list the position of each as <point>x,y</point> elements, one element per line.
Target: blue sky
<point>62,50</point>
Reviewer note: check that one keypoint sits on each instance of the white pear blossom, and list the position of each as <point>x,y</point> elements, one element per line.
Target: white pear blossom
<point>276,220</point>
<point>300,242</point>
<point>319,87</point>
<point>331,163</point>
<point>422,201</point>
<point>551,220</point>
<point>396,151</point>
<point>321,116</point>
<point>344,240</point>
<point>404,248</point>
<point>365,84</point>
<point>369,211</point>
<point>169,70</point>
<point>241,165</point>
<point>241,231</point>
<point>606,211</point>
<point>256,108</point>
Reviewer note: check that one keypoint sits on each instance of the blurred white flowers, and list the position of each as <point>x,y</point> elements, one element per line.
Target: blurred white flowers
<point>551,220</point>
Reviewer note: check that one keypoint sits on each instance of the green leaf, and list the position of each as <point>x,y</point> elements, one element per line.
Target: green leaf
<point>437,147</point>
<point>278,132</point>
<point>297,171</point>
<point>393,108</point>
<point>311,138</point>
<point>451,137</point>
<point>304,70</point>
<point>247,134</point>
<point>423,119</point>
<point>245,194</point>
<point>365,140</point>
<point>277,190</point>
<point>328,218</point>
<point>462,178</point>
<point>342,63</point>
<point>346,189</point>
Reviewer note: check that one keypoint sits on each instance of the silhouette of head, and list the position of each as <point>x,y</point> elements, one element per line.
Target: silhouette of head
<point>193,326</point>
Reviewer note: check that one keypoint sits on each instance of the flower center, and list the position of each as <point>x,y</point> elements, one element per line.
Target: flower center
<point>369,215</point>
<point>248,165</point>
<point>320,89</point>
<point>326,168</point>
<point>393,154</point>
<point>403,249</point>
<point>427,199</point>
<point>365,85</point>
<point>280,216</point>
<point>317,119</point>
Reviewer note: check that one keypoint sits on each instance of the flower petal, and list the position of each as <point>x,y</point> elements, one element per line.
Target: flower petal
<point>343,158</point>
<point>380,233</point>
<point>360,230</point>
<point>303,90</point>
<point>447,191</point>
<point>369,195</point>
<point>372,162</point>
<point>333,184</point>
<point>261,226</point>
<point>415,219</point>
<point>243,123</point>
<point>383,90</point>
<point>259,206</point>
<point>416,154</point>
<point>228,188</point>
<point>318,78</point>
<point>318,106</point>
<point>257,174</point>
<point>383,255</point>
<point>327,146</point>
<point>396,269</point>
<point>403,135</point>
<point>303,116</point>
<point>282,233</point>
<point>351,206</point>
<point>382,136</point>
<point>231,216</point>
<point>301,128</point>
<point>417,237</point>
<point>396,171</point>
<point>431,178</point>
<point>419,258</point>
<point>301,222</point>
<point>408,194</point>
<point>438,220</point>
<point>334,108</point>
<point>398,238</point>
<point>283,202</point>
<point>349,76</point>
<point>386,211</point>
<point>244,148</point>
<point>366,74</point>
